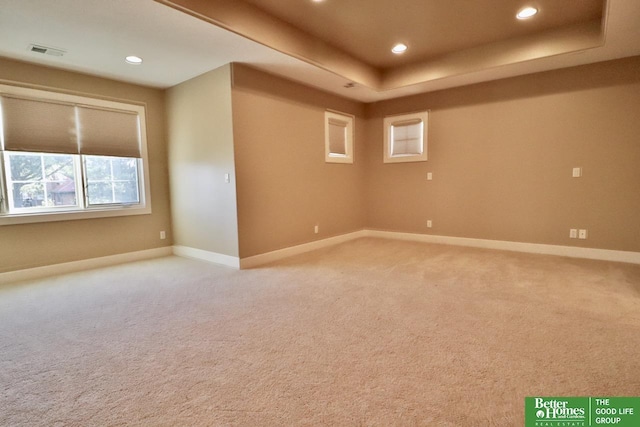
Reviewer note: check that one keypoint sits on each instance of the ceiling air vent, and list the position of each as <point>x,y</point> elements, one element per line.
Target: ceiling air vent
<point>38,48</point>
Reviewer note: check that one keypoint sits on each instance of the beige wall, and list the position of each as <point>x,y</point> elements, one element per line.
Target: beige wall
<point>284,185</point>
<point>32,245</point>
<point>502,153</point>
<point>200,133</point>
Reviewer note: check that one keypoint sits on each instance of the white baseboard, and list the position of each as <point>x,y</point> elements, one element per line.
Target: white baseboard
<point>268,257</point>
<point>214,257</point>
<point>535,248</point>
<point>85,264</point>
<point>254,261</point>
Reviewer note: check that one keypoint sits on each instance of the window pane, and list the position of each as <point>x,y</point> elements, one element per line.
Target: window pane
<point>28,195</point>
<point>126,192</point>
<point>25,167</point>
<point>125,169</point>
<point>97,168</point>
<point>337,137</point>
<point>407,139</point>
<point>41,180</point>
<point>61,185</point>
<point>100,193</point>
<point>112,180</point>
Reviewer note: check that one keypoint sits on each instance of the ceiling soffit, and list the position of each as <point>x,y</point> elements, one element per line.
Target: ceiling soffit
<point>257,25</point>
<point>250,22</point>
<point>431,28</point>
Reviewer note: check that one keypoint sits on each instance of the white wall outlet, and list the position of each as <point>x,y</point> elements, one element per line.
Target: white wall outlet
<point>582,234</point>
<point>316,229</point>
<point>429,176</point>
<point>573,233</point>
<point>577,172</point>
<point>163,235</point>
<point>429,223</point>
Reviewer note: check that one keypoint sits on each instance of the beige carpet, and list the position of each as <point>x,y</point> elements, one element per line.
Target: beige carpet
<point>368,333</point>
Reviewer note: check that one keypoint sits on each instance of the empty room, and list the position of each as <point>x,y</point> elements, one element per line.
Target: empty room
<point>319,213</point>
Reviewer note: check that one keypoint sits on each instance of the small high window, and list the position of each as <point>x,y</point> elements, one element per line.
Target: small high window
<point>405,138</point>
<point>338,135</point>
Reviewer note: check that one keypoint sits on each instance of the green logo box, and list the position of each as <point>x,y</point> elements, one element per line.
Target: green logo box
<point>581,411</point>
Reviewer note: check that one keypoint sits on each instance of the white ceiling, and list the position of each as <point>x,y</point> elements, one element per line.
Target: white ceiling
<point>98,34</point>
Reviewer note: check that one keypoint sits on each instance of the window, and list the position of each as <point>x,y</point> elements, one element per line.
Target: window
<point>40,181</point>
<point>338,135</point>
<point>111,180</point>
<point>405,138</point>
<point>70,157</point>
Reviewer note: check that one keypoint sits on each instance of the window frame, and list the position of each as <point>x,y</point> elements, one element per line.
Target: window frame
<point>87,181</point>
<point>347,119</point>
<point>44,209</point>
<point>83,211</point>
<point>388,123</point>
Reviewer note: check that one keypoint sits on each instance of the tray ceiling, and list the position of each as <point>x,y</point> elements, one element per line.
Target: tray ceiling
<point>342,46</point>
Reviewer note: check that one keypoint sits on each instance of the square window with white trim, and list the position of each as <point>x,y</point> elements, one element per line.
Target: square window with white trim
<point>405,137</point>
<point>70,157</point>
<point>41,182</point>
<point>338,137</point>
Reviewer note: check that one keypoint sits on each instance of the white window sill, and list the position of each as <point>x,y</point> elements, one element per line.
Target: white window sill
<point>37,217</point>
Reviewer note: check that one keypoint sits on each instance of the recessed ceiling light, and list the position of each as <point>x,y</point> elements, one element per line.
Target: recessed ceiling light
<point>527,13</point>
<point>399,48</point>
<point>134,60</point>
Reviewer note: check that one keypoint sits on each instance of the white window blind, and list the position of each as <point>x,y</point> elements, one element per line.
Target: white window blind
<point>108,132</point>
<point>38,126</point>
<point>407,138</point>
<point>337,137</point>
<point>45,126</point>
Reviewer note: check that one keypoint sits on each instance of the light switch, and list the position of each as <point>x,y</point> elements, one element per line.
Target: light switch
<point>227,178</point>
<point>429,176</point>
<point>577,172</point>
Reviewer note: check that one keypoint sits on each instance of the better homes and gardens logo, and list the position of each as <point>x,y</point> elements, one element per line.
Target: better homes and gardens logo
<point>560,411</point>
<point>582,411</point>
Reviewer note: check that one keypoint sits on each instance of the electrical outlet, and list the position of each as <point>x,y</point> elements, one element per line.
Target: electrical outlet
<point>582,234</point>
<point>163,235</point>
<point>429,176</point>
<point>429,223</point>
<point>573,233</point>
<point>577,172</point>
<point>316,229</point>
